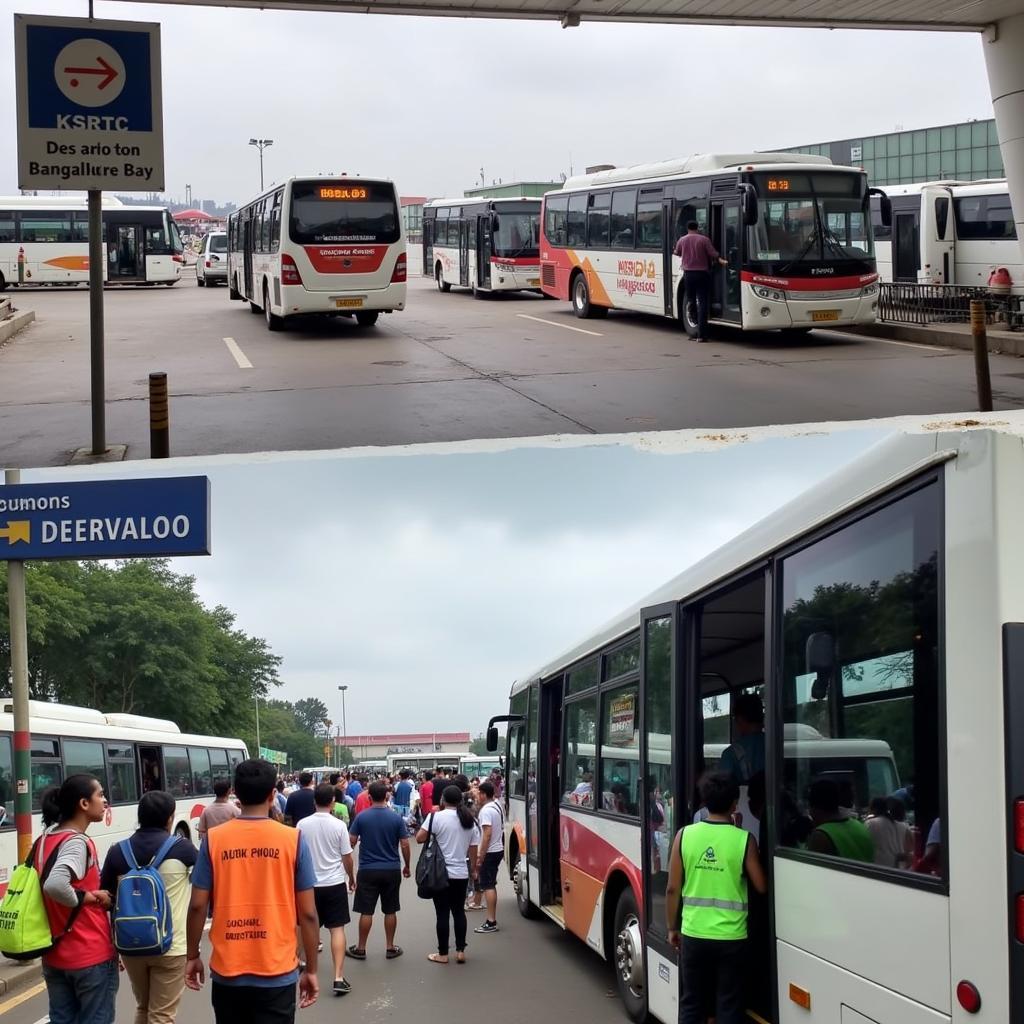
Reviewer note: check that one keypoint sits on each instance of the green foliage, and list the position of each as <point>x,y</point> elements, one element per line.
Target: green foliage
<point>312,715</point>
<point>479,745</point>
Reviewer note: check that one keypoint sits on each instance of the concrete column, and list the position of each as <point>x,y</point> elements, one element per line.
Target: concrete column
<point>1004,58</point>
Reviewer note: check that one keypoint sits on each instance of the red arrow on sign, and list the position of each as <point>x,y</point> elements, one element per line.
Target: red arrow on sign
<point>108,73</point>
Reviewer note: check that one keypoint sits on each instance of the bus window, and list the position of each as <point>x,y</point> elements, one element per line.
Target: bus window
<point>235,758</point>
<point>648,225</point>
<point>6,783</point>
<point>623,225</point>
<point>620,750</point>
<point>202,782</point>
<point>85,757</point>
<point>219,765</point>
<point>46,766</point>
<point>516,753</point>
<point>861,683</point>
<point>598,219</point>
<point>658,795</point>
<point>178,772</point>
<point>123,785</point>
<point>578,758</point>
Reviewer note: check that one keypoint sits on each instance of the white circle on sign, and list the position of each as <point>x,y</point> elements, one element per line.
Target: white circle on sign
<point>89,72</point>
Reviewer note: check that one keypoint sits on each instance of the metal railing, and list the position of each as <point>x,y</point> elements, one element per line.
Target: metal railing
<point>904,303</point>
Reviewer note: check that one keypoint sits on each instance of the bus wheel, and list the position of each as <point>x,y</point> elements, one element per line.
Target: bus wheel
<point>687,314</point>
<point>581,304</point>
<point>521,885</point>
<point>274,322</point>
<point>442,284</point>
<point>233,293</point>
<point>628,958</point>
<point>253,308</point>
<point>367,319</point>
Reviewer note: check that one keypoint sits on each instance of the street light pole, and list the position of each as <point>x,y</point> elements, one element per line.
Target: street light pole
<point>257,725</point>
<point>261,144</point>
<point>344,723</point>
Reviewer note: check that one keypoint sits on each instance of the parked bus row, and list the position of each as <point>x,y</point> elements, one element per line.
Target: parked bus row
<point>860,653</point>
<point>44,240</point>
<point>129,754</point>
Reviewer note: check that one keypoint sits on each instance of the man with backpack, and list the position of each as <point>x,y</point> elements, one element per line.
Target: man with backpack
<point>150,919</point>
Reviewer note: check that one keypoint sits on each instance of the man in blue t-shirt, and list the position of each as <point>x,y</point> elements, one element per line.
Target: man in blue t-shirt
<point>381,836</point>
<point>354,788</point>
<point>300,803</point>
<point>403,793</point>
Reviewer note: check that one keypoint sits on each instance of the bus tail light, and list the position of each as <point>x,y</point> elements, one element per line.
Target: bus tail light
<point>399,274</point>
<point>289,271</point>
<point>1018,824</point>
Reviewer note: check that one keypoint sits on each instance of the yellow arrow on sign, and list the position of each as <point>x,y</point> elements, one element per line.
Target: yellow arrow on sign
<point>17,530</point>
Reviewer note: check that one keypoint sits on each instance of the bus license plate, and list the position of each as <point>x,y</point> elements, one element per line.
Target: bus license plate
<point>350,303</point>
<point>820,315</point>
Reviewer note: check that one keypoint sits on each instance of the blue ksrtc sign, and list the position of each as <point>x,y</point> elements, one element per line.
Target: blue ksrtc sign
<point>167,516</point>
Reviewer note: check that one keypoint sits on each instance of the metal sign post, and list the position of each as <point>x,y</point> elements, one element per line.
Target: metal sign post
<point>90,117</point>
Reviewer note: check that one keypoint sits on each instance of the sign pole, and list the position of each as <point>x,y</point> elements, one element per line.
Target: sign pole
<point>19,682</point>
<point>96,265</point>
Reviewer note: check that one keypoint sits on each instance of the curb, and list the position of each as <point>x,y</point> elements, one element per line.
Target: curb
<point>999,343</point>
<point>9,328</point>
<point>15,976</point>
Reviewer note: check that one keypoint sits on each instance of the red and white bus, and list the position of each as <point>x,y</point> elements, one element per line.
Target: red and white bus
<point>795,230</point>
<point>880,619</point>
<point>486,245</point>
<point>321,247</point>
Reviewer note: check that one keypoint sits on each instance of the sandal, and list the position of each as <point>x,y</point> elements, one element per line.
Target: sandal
<point>436,958</point>
<point>460,958</point>
<point>356,953</point>
<point>394,952</point>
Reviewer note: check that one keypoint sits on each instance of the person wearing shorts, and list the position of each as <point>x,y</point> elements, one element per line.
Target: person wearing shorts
<point>384,857</point>
<point>326,836</point>
<point>492,852</point>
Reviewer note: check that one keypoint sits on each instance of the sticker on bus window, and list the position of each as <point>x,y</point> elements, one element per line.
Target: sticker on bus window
<point>768,255</point>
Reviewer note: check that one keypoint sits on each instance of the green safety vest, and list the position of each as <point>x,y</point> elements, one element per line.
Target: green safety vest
<point>851,839</point>
<point>714,904</point>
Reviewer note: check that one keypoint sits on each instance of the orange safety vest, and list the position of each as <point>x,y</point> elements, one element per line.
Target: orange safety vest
<point>254,911</point>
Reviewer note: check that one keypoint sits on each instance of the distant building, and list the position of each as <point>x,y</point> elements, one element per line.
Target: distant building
<point>967,151</point>
<point>376,747</point>
<point>209,206</point>
<point>513,190</point>
<point>412,217</point>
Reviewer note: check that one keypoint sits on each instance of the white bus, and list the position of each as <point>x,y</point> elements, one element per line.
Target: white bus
<point>45,240</point>
<point>486,245</point>
<point>949,232</point>
<point>475,765</point>
<point>880,616</point>
<point>129,754</point>
<point>319,246</point>
<point>794,229</point>
<point>420,762</point>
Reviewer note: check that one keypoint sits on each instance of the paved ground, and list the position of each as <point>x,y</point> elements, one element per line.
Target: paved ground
<point>529,971</point>
<point>449,368</point>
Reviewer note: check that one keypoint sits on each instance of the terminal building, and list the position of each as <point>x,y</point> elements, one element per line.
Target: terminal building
<point>376,747</point>
<point>967,152</point>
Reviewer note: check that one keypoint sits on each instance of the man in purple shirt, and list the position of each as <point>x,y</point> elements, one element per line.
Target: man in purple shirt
<point>698,256</point>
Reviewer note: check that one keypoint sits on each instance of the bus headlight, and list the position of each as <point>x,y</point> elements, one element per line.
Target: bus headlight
<point>870,289</point>
<point>769,293</point>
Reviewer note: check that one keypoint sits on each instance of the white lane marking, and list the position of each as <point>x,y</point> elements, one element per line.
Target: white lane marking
<point>555,323</point>
<point>892,341</point>
<point>240,356</point>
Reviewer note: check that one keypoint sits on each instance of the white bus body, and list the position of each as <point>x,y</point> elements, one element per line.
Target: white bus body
<point>45,240</point>
<point>486,245</point>
<point>885,609</point>
<point>320,247</point>
<point>130,754</point>
<point>421,762</point>
<point>949,232</point>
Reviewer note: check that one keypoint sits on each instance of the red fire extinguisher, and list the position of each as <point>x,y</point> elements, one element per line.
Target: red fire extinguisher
<point>21,264</point>
<point>999,281</point>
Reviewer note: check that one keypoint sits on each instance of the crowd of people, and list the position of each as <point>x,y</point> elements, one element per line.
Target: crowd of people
<point>276,866</point>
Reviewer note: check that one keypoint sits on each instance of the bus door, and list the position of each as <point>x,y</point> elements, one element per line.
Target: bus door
<point>668,244</point>
<point>549,791</point>
<point>724,676</point>
<point>483,251</point>
<point>247,254</point>
<point>906,245</point>
<point>660,781</point>
<point>428,246</point>
<point>936,233</point>
<point>125,261</point>
<point>726,235</point>
<point>465,226</point>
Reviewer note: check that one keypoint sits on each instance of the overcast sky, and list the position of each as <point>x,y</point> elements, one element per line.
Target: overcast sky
<point>429,101</point>
<point>429,582</point>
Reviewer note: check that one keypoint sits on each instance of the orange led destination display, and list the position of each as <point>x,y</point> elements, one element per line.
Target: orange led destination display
<point>778,184</point>
<point>336,192</point>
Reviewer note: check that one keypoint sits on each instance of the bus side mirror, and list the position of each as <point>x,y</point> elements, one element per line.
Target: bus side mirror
<point>884,206</point>
<point>492,739</point>
<point>749,204</point>
<point>820,660</point>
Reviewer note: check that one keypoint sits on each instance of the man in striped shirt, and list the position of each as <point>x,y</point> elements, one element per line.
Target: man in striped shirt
<point>698,257</point>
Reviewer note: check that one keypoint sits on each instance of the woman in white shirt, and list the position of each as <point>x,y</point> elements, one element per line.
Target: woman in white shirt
<point>457,835</point>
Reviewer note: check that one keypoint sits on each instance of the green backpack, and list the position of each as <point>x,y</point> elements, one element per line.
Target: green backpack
<point>24,924</point>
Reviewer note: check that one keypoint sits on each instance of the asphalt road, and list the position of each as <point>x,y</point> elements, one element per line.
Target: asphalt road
<point>529,971</point>
<point>450,367</point>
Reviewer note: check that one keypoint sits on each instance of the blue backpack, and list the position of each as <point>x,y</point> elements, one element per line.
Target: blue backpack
<point>142,912</point>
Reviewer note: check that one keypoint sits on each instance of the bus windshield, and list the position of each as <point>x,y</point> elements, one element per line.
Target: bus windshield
<point>325,212</point>
<point>517,235</point>
<point>810,218</point>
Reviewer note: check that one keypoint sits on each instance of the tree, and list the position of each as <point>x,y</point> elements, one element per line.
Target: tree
<point>311,714</point>
<point>479,745</point>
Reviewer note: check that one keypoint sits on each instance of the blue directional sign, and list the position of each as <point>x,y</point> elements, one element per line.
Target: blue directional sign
<point>89,104</point>
<point>152,518</point>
